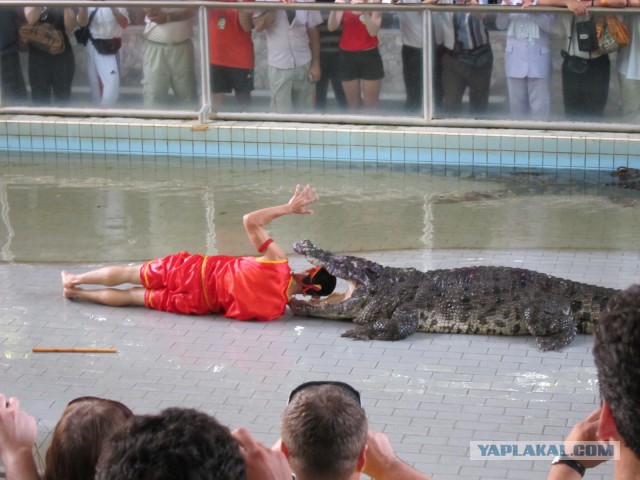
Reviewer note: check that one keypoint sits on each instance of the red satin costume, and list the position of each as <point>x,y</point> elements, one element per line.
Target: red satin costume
<point>244,288</point>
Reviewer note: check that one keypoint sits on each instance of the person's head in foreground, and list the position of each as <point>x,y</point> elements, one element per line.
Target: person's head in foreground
<point>324,431</point>
<point>617,357</point>
<point>177,443</point>
<point>317,282</point>
<point>77,440</point>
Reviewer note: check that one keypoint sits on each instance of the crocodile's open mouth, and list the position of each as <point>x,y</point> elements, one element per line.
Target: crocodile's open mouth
<point>332,299</point>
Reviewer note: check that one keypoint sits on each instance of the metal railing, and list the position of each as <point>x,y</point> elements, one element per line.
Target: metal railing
<point>428,117</point>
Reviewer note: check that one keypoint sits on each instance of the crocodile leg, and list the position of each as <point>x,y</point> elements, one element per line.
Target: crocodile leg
<point>403,322</point>
<point>549,320</point>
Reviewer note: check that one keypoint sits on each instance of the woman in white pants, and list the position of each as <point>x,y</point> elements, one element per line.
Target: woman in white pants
<point>103,70</point>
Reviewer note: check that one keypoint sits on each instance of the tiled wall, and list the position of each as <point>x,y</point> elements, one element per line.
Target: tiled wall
<point>479,147</point>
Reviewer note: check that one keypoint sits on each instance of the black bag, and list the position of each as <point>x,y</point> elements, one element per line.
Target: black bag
<point>107,46</point>
<point>477,57</point>
<point>586,35</point>
<point>574,64</point>
<point>83,34</point>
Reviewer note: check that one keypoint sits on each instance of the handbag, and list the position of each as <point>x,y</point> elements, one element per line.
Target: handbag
<point>575,64</point>
<point>586,35</point>
<point>43,36</point>
<point>107,46</point>
<point>612,34</point>
<point>83,34</point>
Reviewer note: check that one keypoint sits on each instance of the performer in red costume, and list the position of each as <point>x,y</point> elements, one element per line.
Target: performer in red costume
<point>244,288</point>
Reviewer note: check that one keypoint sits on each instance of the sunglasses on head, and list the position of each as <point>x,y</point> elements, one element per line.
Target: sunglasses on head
<point>344,386</point>
<point>120,406</point>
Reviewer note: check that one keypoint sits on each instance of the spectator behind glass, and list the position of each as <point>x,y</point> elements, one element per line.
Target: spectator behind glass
<point>527,61</point>
<point>79,435</point>
<point>51,75</point>
<point>325,437</point>
<point>329,65</point>
<point>168,59</point>
<point>231,55</point>
<point>629,68</point>
<point>103,70</point>
<point>585,91</point>
<point>466,57</point>
<point>616,352</point>
<point>14,91</point>
<point>177,443</point>
<point>360,59</point>
<point>412,66</point>
<point>293,51</point>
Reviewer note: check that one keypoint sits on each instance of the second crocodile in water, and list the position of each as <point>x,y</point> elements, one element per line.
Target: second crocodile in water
<point>390,303</point>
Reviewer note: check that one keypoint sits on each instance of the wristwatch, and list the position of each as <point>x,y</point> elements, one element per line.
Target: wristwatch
<point>569,462</point>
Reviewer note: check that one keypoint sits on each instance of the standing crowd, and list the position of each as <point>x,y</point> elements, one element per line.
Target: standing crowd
<point>308,50</point>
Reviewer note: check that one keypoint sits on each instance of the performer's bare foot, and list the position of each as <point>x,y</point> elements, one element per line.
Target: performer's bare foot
<point>71,292</point>
<point>68,280</point>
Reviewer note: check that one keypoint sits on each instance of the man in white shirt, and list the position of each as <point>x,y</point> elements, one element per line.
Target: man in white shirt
<point>169,60</point>
<point>293,49</point>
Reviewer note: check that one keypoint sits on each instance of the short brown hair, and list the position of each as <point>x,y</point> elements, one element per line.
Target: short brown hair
<point>324,429</point>
<point>79,435</point>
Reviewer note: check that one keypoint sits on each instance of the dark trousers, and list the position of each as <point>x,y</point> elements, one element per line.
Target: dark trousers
<point>51,74</point>
<point>330,69</point>
<point>413,73</point>
<point>14,91</point>
<point>585,94</point>
<point>457,77</point>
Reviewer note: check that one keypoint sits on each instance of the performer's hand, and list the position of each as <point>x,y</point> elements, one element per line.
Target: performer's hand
<point>303,197</point>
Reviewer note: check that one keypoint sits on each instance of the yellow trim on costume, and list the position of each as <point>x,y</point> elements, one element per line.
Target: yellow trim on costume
<point>145,267</point>
<point>204,286</point>
<point>262,260</point>
<point>286,292</point>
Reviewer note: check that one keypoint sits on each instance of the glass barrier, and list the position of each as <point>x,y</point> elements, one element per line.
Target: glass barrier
<point>401,63</point>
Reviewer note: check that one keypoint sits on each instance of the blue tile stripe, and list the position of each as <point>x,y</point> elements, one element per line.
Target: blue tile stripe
<point>443,146</point>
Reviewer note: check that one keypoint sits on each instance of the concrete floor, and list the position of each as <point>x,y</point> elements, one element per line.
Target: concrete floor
<point>432,394</point>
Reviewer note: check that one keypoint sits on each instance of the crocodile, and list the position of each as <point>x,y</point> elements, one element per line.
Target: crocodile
<point>391,303</point>
<point>627,177</point>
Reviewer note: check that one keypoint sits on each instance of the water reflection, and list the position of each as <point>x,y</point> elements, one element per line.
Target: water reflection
<point>73,211</point>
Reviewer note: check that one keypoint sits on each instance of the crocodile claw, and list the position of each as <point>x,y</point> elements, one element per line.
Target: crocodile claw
<point>362,332</point>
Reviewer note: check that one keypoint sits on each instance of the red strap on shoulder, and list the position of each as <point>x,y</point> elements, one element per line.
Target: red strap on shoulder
<point>266,243</point>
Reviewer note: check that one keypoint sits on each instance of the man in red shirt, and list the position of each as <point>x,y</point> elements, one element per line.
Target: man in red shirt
<point>244,288</point>
<point>231,54</point>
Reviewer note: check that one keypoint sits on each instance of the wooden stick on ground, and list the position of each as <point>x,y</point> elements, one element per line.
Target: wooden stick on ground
<point>73,350</point>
